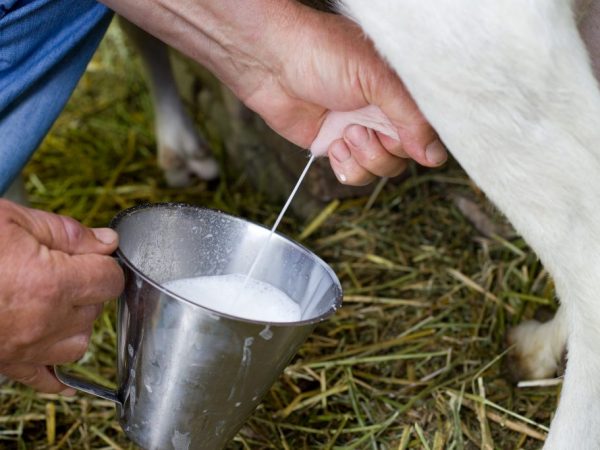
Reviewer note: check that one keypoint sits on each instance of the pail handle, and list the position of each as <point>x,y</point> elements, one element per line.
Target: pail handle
<point>84,385</point>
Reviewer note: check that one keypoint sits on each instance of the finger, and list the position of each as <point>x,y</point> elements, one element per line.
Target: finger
<point>81,321</point>
<point>392,145</point>
<point>67,350</point>
<point>34,348</point>
<point>345,167</point>
<point>37,376</point>
<point>88,279</point>
<point>421,144</point>
<point>66,234</point>
<point>369,153</point>
<point>418,138</point>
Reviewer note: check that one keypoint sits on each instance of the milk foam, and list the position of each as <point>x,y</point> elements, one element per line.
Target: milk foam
<point>258,300</point>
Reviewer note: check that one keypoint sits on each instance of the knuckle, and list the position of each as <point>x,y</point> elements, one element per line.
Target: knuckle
<point>367,157</point>
<point>361,180</point>
<point>73,231</point>
<point>397,170</point>
<point>398,151</point>
<point>89,314</point>
<point>30,376</point>
<point>80,346</point>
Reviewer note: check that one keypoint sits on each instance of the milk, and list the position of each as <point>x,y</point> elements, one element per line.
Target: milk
<point>238,296</point>
<point>260,253</point>
<point>241,295</point>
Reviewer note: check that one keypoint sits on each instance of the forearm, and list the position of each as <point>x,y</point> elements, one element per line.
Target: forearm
<point>229,37</point>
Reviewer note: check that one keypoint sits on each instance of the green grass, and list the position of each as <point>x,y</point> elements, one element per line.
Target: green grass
<point>412,360</point>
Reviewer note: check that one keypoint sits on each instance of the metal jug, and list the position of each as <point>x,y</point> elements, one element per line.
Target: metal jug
<point>188,377</point>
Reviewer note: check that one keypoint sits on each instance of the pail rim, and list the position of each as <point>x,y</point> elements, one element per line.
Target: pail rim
<point>122,215</point>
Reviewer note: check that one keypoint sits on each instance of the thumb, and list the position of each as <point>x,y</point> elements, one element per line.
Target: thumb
<point>66,234</point>
<point>419,139</point>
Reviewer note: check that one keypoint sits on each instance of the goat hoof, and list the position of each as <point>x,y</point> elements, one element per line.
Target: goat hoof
<point>532,356</point>
<point>180,171</point>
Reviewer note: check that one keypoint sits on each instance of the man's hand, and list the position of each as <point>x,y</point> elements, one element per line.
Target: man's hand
<point>324,64</point>
<point>292,65</point>
<point>55,276</point>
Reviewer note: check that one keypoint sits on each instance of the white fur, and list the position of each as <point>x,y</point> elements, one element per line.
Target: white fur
<point>508,86</point>
<point>539,347</point>
<point>182,151</point>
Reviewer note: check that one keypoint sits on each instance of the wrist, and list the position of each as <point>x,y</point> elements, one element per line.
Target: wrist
<point>254,46</point>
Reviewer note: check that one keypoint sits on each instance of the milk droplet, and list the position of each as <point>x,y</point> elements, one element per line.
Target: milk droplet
<point>181,441</point>
<point>266,333</point>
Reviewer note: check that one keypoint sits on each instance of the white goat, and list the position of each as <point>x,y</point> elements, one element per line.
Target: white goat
<point>509,87</point>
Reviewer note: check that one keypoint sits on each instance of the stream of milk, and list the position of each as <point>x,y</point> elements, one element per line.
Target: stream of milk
<point>276,224</point>
<point>241,295</point>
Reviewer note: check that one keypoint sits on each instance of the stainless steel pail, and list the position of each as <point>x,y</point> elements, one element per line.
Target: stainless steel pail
<point>188,376</point>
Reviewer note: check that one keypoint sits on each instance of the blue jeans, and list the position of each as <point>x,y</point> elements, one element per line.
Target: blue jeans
<point>45,46</point>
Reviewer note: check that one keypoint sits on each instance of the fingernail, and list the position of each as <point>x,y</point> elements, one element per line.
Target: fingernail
<point>107,236</point>
<point>357,135</point>
<point>436,153</point>
<point>69,392</point>
<point>340,152</point>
